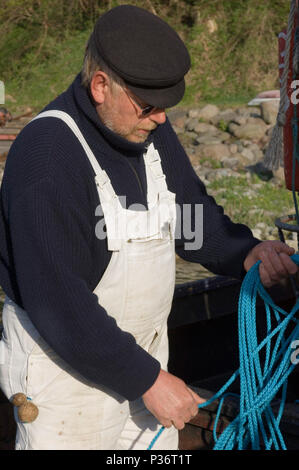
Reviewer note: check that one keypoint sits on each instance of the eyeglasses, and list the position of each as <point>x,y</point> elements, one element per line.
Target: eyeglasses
<point>145,110</point>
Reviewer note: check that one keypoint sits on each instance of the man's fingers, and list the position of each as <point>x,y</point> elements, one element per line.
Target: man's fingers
<point>265,278</point>
<point>196,397</point>
<point>278,246</point>
<point>276,263</point>
<point>275,267</point>
<point>273,264</point>
<point>284,248</point>
<point>166,423</point>
<point>179,424</point>
<point>171,401</point>
<point>289,264</point>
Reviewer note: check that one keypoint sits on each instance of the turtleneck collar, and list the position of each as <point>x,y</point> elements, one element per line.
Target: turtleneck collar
<point>87,107</point>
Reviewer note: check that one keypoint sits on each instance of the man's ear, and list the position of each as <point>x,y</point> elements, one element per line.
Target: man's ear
<point>99,86</point>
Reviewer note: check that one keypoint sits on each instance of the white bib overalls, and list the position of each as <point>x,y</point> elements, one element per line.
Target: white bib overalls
<point>137,290</point>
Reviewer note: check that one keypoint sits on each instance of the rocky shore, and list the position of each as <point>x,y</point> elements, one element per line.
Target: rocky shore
<point>220,143</point>
<point>230,142</point>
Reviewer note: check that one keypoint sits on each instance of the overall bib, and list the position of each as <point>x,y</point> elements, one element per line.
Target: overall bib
<point>137,290</point>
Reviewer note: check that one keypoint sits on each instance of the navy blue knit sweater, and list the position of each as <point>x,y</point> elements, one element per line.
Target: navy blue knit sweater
<point>51,260</point>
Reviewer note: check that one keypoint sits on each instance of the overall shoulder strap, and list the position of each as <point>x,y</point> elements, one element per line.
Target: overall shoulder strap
<point>102,176</point>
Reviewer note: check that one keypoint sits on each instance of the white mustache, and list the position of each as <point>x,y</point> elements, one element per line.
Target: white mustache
<point>147,130</point>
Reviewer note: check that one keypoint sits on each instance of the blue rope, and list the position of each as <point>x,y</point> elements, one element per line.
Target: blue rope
<point>256,426</point>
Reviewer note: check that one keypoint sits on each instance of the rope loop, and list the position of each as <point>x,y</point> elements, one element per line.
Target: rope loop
<point>264,370</point>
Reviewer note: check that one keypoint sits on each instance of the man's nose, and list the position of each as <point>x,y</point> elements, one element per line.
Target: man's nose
<point>158,116</point>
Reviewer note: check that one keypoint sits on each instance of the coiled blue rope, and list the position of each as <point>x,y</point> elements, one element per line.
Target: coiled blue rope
<point>263,372</point>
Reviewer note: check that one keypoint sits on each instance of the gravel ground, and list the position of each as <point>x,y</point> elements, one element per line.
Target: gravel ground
<point>186,272</point>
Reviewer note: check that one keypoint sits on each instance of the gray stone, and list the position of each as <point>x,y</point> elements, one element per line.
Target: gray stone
<point>191,135</point>
<point>193,113</point>
<point>249,111</point>
<point>243,161</point>
<point>213,138</point>
<point>257,233</point>
<point>231,162</point>
<point>202,174</point>
<point>256,120</point>
<point>239,145</point>
<point>224,117</point>
<point>253,147</point>
<point>245,143</point>
<point>179,122</point>
<point>233,148</point>
<point>232,127</point>
<point>279,174</point>
<point>224,136</point>
<point>215,151</point>
<point>208,112</point>
<point>248,155</point>
<point>269,111</point>
<point>174,114</point>
<point>241,120</point>
<point>221,173</point>
<point>258,153</point>
<point>209,139</point>
<point>250,131</point>
<point>178,130</point>
<point>203,127</point>
<point>191,124</point>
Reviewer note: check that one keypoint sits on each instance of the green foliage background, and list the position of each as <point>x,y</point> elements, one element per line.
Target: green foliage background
<point>233,45</point>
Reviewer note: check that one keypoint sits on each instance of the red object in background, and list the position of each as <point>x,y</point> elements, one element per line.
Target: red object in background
<point>8,136</point>
<point>288,128</point>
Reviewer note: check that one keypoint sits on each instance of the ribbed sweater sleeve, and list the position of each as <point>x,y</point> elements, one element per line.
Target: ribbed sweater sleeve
<point>50,248</point>
<point>225,244</point>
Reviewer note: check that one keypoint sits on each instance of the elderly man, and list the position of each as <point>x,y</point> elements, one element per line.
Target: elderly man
<point>85,317</point>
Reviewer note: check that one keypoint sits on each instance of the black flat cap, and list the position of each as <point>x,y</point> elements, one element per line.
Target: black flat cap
<point>145,52</point>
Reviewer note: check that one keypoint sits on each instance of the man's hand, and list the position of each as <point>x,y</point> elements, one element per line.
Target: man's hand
<point>171,401</point>
<point>276,264</point>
